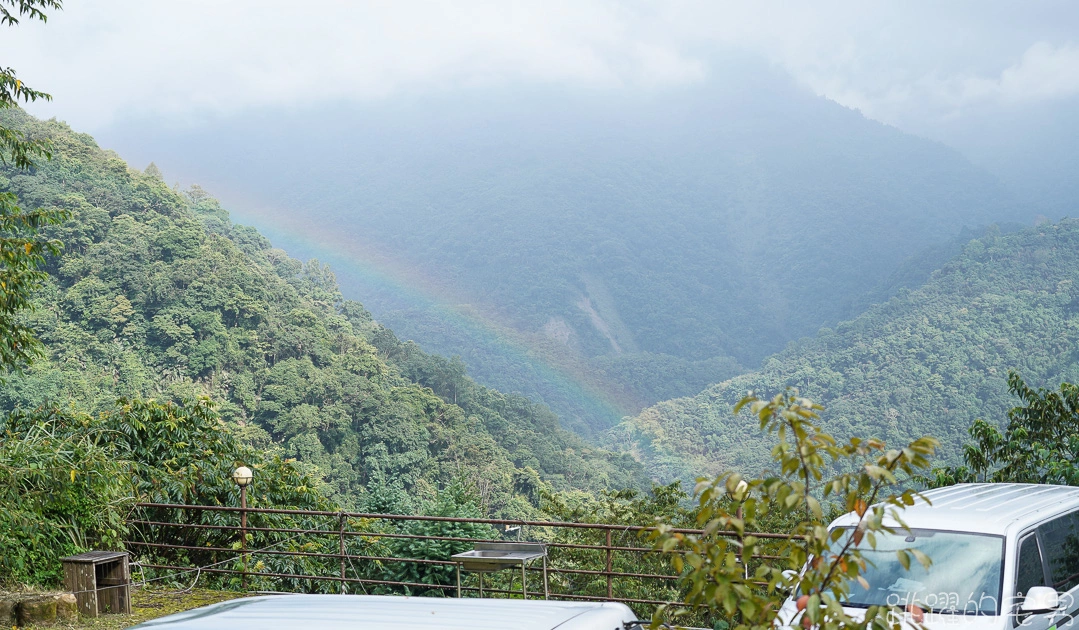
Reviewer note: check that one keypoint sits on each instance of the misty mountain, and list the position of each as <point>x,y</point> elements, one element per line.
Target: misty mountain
<point>1031,149</point>
<point>927,362</point>
<point>158,294</point>
<point>642,245</point>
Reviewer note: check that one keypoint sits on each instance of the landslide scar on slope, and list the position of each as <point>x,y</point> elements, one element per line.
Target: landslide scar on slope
<point>599,305</point>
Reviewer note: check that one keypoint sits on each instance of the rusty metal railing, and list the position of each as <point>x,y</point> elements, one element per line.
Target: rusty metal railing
<point>363,552</point>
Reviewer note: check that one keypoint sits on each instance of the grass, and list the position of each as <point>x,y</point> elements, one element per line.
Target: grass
<point>147,604</point>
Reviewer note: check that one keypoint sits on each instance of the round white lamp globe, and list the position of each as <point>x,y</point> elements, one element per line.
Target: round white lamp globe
<point>242,476</point>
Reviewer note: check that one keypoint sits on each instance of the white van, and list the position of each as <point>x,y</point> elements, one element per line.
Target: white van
<point>388,612</point>
<point>1004,556</point>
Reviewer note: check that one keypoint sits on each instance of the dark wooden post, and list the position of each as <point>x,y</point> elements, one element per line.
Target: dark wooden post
<point>610,590</point>
<point>243,534</point>
<point>341,527</point>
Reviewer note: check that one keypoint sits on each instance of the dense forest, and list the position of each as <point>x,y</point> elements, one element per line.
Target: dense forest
<point>929,361</point>
<point>681,235</point>
<point>157,294</point>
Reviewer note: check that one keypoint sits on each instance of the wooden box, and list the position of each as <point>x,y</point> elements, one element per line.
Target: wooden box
<point>100,580</point>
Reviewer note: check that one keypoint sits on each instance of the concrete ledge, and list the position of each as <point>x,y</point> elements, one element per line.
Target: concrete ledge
<point>24,609</point>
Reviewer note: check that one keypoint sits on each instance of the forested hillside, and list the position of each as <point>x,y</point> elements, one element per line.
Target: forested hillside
<point>681,234</point>
<point>927,362</point>
<point>158,294</point>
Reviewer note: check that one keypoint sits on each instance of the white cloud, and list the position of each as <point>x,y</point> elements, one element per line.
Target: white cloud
<point>903,63</point>
<point>1044,72</point>
<point>199,56</point>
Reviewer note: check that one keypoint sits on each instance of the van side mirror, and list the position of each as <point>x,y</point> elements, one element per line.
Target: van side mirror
<point>1040,599</point>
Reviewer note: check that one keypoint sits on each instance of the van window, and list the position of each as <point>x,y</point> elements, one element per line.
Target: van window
<point>1060,537</point>
<point>964,579</point>
<point>1030,571</point>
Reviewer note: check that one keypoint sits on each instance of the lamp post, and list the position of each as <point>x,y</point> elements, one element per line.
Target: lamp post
<point>242,477</point>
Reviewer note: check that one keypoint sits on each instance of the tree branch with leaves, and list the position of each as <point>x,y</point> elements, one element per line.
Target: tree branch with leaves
<point>745,578</point>
<point>22,247</point>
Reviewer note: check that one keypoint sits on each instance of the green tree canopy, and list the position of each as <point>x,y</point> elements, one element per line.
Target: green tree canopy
<point>929,361</point>
<point>1039,444</point>
<point>159,295</point>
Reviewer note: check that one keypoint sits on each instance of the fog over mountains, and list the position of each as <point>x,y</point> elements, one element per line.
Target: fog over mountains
<point>470,268</point>
<point>645,244</point>
<point>397,278</point>
<point>599,205</point>
<point>928,361</point>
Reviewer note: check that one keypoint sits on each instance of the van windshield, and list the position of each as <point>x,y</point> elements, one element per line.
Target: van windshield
<point>964,578</point>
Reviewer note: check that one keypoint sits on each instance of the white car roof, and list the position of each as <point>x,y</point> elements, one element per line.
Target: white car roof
<point>985,508</point>
<point>378,612</point>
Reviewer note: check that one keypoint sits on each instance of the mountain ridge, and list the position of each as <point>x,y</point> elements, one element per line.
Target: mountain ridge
<point>158,294</point>
<point>928,361</point>
<point>708,212</point>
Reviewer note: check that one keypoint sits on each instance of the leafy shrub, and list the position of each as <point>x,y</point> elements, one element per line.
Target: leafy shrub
<point>68,482</point>
<point>63,490</point>
<point>457,500</point>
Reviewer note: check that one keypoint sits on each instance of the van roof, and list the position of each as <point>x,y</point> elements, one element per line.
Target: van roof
<point>385,612</point>
<point>985,508</point>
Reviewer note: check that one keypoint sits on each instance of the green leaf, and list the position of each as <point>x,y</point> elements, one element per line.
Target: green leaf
<point>904,558</point>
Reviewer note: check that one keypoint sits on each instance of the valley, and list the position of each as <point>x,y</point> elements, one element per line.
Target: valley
<point>682,314</point>
<point>930,360</point>
<point>575,242</point>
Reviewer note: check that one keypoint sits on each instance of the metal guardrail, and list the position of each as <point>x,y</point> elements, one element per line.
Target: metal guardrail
<point>587,561</point>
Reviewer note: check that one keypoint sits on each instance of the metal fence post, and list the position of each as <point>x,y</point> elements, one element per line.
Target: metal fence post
<point>546,588</point>
<point>610,590</point>
<point>243,535</point>
<point>341,539</point>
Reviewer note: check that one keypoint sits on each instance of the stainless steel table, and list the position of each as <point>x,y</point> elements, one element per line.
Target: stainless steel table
<point>496,556</point>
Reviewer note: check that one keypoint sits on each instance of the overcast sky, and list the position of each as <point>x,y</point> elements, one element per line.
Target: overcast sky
<point>913,64</point>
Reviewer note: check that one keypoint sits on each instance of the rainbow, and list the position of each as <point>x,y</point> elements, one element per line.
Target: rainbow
<point>373,266</point>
